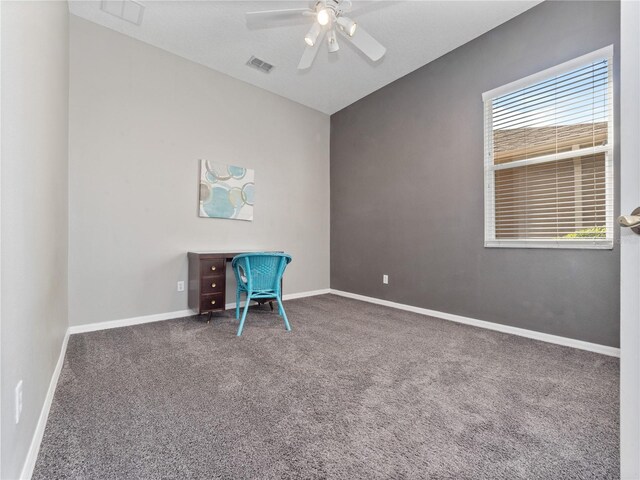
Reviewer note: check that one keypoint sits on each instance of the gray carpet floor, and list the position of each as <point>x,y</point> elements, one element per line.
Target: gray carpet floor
<point>355,391</point>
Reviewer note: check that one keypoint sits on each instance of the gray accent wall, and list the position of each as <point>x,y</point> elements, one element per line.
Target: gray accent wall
<point>140,118</point>
<point>35,105</point>
<point>407,188</point>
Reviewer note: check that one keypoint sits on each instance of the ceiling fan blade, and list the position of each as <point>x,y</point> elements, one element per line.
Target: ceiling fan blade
<point>309,54</point>
<point>366,44</point>
<point>271,17</point>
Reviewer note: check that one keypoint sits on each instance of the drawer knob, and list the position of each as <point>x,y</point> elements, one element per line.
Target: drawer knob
<point>213,268</point>
<point>213,302</point>
<point>213,285</point>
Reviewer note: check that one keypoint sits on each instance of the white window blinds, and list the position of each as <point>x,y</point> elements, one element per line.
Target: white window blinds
<point>549,158</point>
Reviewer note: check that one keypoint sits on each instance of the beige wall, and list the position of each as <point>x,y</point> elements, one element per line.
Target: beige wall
<point>35,89</point>
<point>140,118</point>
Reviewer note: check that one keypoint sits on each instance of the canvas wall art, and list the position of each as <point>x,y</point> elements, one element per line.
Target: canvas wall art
<point>226,191</point>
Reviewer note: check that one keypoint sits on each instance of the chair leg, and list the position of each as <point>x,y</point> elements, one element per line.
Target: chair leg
<point>237,304</point>
<point>284,315</point>
<point>244,315</point>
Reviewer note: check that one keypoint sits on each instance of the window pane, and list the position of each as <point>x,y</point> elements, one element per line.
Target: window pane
<point>552,200</point>
<point>564,113</point>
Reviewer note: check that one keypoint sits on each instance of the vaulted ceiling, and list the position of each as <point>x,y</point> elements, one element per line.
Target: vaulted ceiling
<point>216,34</point>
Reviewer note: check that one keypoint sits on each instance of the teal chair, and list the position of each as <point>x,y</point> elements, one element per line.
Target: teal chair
<point>259,276</point>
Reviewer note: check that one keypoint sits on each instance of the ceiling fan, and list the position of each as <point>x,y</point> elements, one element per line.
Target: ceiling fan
<point>328,18</point>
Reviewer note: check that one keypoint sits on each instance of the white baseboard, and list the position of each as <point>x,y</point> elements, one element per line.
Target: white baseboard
<point>287,296</point>
<point>310,293</point>
<point>34,447</point>
<point>126,322</point>
<point>544,337</point>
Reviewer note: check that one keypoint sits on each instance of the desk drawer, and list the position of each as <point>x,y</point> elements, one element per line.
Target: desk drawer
<point>212,285</point>
<point>212,266</point>
<point>212,302</point>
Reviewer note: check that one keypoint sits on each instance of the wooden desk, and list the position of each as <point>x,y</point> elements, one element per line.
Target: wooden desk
<point>207,280</point>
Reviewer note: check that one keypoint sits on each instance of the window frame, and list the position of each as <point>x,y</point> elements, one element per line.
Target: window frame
<point>490,168</point>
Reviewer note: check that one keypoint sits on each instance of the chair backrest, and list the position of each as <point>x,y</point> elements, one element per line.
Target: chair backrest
<point>262,270</point>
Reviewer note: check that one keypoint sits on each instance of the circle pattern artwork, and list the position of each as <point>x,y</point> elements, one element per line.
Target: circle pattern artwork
<point>226,191</point>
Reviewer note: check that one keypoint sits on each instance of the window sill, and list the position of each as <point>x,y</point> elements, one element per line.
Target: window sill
<point>589,244</point>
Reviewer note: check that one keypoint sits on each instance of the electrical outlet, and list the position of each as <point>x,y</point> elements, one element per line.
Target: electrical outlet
<point>18,401</point>
<point>385,279</point>
<point>181,286</point>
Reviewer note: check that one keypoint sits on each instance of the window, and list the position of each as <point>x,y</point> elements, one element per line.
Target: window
<point>549,158</point>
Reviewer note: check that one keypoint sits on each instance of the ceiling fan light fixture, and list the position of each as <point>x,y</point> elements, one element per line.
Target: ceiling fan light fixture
<point>312,36</point>
<point>348,25</point>
<point>323,16</point>
<point>332,41</point>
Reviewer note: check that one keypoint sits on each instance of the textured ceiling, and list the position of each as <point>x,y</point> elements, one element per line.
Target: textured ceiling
<point>215,34</point>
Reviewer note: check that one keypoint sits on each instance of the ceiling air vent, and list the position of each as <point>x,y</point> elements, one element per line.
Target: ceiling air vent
<point>124,9</point>
<point>259,64</point>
